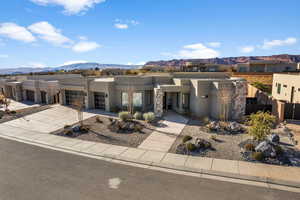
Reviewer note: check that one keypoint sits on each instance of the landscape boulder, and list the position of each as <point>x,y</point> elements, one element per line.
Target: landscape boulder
<point>266,148</point>
<point>274,138</point>
<point>234,127</point>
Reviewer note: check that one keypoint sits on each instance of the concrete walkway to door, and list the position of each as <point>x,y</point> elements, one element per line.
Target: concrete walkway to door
<point>164,136</point>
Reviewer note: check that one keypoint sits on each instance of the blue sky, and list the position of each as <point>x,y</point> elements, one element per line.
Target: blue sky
<point>40,33</point>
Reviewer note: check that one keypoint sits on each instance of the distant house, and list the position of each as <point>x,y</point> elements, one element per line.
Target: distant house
<point>202,67</point>
<point>266,66</point>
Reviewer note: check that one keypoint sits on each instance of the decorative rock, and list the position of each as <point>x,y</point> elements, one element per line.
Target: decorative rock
<point>214,126</point>
<point>234,127</point>
<point>266,148</point>
<point>76,128</point>
<point>274,138</point>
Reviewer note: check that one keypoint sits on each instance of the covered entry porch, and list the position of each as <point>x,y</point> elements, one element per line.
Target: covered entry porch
<point>171,97</point>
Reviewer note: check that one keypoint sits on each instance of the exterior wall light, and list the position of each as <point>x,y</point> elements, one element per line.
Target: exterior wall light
<point>204,97</point>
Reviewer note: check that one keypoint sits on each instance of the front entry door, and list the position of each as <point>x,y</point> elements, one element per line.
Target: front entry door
<point>99,98</point>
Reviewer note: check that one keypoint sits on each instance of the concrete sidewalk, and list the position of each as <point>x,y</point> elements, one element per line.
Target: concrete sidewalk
<point>164,136</point>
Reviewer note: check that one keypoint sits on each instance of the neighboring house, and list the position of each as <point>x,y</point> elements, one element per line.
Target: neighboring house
<point>286,87</point>
<point>266,66</point>
<point>214,95</point>
<point>286,93</point>
<point>202,67</point>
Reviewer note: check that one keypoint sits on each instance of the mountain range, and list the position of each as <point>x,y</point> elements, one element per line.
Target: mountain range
<point>227,60</point>
<point>77,66</point>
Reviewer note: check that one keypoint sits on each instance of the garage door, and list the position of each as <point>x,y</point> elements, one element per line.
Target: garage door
<point>99,100</point>
<point>30,95</point>
<point>72,96</point>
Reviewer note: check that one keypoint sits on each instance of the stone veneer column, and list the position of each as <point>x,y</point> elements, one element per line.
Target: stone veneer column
<point>239,99</point>
<point>158,102</point>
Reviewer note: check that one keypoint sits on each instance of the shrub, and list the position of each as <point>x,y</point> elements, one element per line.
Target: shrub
<point>207,145</point>
<point>191,147</point>
<point>84,129</point>
<point>186,138</point>
<point>278,149</point>
<point>261,124</point>
<point>67,126</point>
<point>68,132</point>
<point>249,147</point>
<point>149,117</point>
<point>124,116</point>
<point>98,119</point>
<point>259,156</point>
<point>138,116</point>
<point>213,137</point>
<point>13,112</point>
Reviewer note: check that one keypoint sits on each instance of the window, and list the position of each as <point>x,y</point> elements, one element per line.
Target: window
<point>124,99</point>
<point>177,99</point>
<point>284,86</point>
<point>137,99</point>
<point>186,101</point>
<point>278,88</point>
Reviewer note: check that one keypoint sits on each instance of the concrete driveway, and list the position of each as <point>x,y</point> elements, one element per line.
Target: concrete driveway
<point>48,120</point>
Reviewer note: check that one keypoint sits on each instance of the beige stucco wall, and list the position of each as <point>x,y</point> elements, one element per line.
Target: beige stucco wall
<point>289,80</point>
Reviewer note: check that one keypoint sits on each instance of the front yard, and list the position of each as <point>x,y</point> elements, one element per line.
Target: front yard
<point>198,140</point>
<point>109,130</point>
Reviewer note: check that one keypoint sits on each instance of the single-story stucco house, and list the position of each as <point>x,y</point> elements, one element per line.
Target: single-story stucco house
<point>205,94</point>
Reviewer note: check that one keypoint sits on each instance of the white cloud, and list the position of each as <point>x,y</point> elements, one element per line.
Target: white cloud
<point>85,46</point>
<point>47,32</point>
<point>71,7</point>
<point>274,43</point>
<point>197,51</point>
<point>16,32</point>
<point>83,38</point>
<point>121,26</point>
<point>74,62</point>
<point>247,49</point>
<point>214,44</point>
<point>3,56</point>
<point>36,65</point>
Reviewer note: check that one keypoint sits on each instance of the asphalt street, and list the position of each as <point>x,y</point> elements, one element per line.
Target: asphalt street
<point>33,173</point>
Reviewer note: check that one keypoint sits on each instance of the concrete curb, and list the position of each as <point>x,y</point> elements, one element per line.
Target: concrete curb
<point>148,164</point>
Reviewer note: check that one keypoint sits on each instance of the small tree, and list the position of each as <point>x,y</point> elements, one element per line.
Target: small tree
<point>261,124</point>
<point>78,105</point>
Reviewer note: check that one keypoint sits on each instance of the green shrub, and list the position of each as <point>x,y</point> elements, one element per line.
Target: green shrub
<point>207,145</point>
<point>259,156</point>
<point>249,147</point>
<point>278,149</point>
<point>68,132</point>
<point>149,117</point>
<point>186,138</point>
<point>138,116</point>
<point>261,124</point>
<point>124,116</point>
<point>191,147</point>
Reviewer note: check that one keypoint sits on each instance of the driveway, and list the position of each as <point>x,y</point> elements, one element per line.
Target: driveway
<point>48,120</point>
